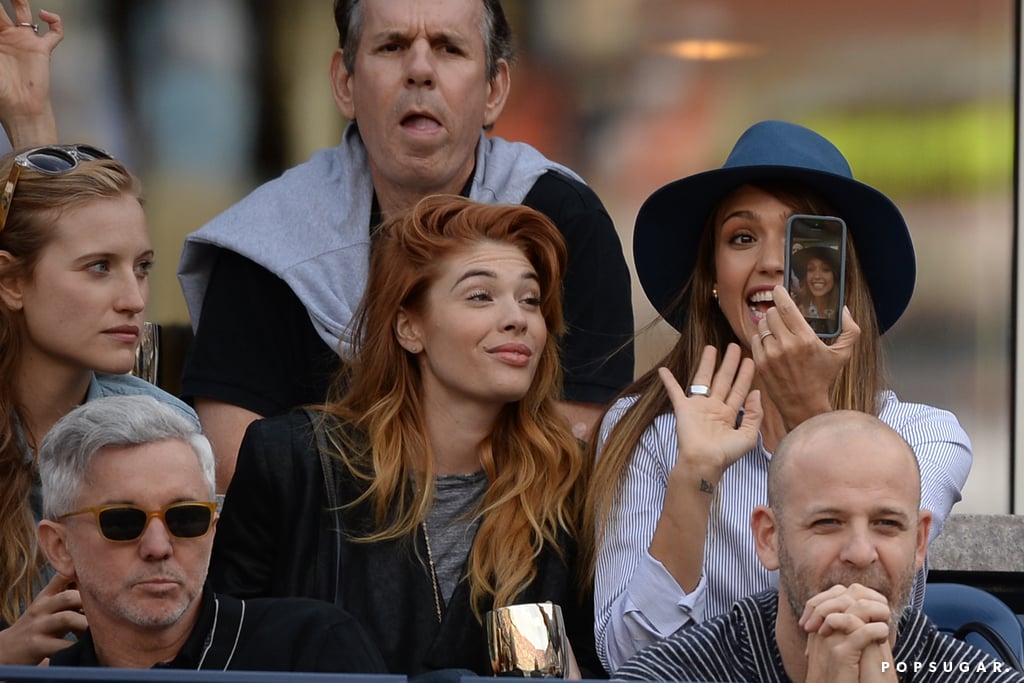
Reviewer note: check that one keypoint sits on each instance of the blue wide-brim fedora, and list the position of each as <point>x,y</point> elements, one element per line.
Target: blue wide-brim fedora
<point>670,221</point>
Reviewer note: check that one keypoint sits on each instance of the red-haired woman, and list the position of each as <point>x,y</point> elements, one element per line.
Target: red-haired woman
<point>453,485</point>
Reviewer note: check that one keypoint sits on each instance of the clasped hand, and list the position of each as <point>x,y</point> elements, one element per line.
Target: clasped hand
<point>848,637</point>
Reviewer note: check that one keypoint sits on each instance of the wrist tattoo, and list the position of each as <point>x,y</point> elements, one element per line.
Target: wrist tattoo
<point>706,486</point>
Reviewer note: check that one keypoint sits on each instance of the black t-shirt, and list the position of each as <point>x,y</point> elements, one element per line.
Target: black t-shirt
<point>256,346</point>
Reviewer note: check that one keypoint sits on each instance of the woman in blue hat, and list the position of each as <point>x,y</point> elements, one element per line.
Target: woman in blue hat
<point>679,472</point>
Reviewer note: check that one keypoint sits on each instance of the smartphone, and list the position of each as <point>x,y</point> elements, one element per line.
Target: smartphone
<point>816,270</point>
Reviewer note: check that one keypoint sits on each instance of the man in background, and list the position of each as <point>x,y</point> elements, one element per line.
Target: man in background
<point>272,282</point>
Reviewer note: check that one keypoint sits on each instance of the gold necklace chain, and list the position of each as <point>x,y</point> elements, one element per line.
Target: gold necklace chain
<point>433,573</point>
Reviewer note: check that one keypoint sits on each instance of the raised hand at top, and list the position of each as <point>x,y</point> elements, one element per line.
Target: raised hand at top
<point>26,111</point>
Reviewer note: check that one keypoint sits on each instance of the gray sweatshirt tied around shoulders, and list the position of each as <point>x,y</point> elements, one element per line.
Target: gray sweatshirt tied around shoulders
<point>310,226</point>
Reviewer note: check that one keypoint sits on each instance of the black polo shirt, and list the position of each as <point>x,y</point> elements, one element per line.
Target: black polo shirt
<point>272,634</point>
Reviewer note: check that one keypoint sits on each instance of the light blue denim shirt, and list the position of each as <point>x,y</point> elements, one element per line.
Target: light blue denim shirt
<point>105,384</point>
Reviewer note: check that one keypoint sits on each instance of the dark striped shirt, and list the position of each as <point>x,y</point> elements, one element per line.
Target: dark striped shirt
<point>740,646</point>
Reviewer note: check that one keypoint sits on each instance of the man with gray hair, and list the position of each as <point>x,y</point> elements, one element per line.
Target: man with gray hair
<point>130,514</point>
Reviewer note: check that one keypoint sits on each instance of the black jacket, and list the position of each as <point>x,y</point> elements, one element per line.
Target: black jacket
<point>277,536</point>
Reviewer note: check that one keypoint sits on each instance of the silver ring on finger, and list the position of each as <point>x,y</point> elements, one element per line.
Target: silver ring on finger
<point>765,334</point>
<point>699,390</point>
<point>34,27</point>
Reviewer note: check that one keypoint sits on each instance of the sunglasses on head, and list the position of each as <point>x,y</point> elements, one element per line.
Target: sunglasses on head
<point>121,523</point>
<point>51,160</point>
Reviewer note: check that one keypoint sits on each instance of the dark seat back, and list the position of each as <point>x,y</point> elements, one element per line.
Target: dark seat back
<point>978,617</point>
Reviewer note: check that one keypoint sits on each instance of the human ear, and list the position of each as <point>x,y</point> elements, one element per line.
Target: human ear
<point>341,85</point>
<point>924,527</point>
<point>407,332</point>
<point>52,537</point>
<point>766,536</point>
<point>10,281</point>
<point>497,93</point>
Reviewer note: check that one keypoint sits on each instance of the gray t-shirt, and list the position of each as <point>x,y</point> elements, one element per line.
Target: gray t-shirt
<point>451,526</point>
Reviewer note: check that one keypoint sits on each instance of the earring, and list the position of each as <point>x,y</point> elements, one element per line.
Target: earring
<point>714,292</point>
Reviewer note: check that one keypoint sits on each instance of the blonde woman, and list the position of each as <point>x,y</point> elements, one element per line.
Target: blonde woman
<point>75,257</point>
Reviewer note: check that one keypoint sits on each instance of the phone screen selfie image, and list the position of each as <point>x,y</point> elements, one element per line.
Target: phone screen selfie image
<point>816,270</point>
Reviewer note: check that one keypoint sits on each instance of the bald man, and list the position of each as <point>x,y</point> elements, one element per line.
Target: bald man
<point>845,529</point>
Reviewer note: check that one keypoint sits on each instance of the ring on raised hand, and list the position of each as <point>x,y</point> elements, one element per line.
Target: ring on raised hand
<point>34,27</point>
<point>764,335</point>
<point>699,390</point>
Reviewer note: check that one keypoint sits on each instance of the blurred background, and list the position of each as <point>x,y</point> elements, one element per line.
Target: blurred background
<point>205,99</point>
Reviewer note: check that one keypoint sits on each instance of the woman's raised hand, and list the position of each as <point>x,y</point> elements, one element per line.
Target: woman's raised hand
<point>706,420</point>
<point>709,442</point>
<point>26,110</point>
<point>796,368</point>
<point>40,630</point>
